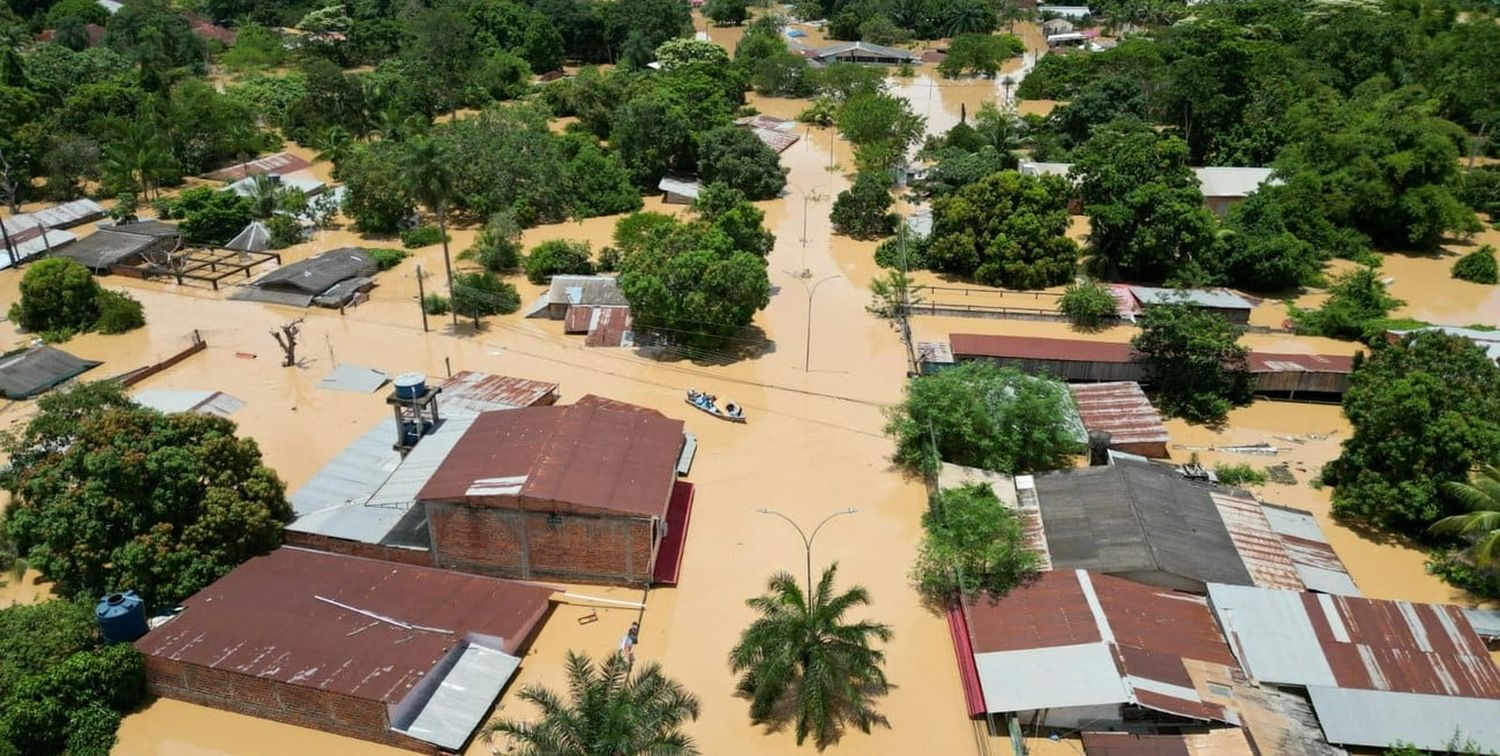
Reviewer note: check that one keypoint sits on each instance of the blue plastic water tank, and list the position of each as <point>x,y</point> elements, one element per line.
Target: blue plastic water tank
<point>410,385</point>
<point>122,617</point>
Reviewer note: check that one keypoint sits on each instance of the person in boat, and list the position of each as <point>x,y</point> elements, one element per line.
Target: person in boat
<point>733,410</point>
<point>695,396</point>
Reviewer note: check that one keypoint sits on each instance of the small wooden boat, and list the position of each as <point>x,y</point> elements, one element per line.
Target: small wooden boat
<point>730,411</point>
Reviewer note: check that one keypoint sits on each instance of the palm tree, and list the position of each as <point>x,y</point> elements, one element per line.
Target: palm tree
<point>139,153</point>
<point>610,712</point>
<point>431,179</point>
<point>265,195</point>
<point>810,654</point>
<point>1482,523</point>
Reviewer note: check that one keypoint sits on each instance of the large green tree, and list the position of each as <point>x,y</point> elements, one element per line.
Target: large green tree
<point>736,156</point>
<point>1194,361</point>
<point>608,710</point>
<point>163,504</point>
<point>61,296</point>
<point>1006,230</point>
<point>1425,412</point>
<point>973,545</point>
<point>801,659</point>
<point>982,415</point>
<point>881,127</point>
<point>1146,214</point>
<point>863,211</point>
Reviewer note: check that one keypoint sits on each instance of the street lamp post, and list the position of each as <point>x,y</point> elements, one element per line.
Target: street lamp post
<point>807,540</point>
<point>811,292</point>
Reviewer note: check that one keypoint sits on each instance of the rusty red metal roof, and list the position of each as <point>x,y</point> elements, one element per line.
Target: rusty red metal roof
<point>1130,744</point>
<point>609,327</point>
<point>473,392</point>
<point>1260,548</point>
<point>277,163</point>
<point>1402,647</point>
<point>578,319</point>
<point>1275,362</point>
<point>1038,348</point>
<point>593,456</point>
<point>1048,611</point>
<point>1121,409</point>
<point>360,627</point>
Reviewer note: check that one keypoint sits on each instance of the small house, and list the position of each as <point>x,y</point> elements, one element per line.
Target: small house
<point>124,245</point>
<point>567,291</point>
<point>277,163</point>
<point>1121,410</point>
<point>582,492</point>
<point>1053,26</point>
<point>676,191</point>
<point>332,279</point>
<point>1228,304</point>
<point>865,52</point>
<point>406,656</point>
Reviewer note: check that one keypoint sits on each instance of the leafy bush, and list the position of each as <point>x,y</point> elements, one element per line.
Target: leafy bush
<point>56,293</point>
<point>498,247</point>
<point>1357,304</point>
<point>558,257</point>
<point>435,304</point>
<point>421,236</point>
<point>1478,266</point>
<point>904,250</point>
<point>388,258</point>
<point>863,210</point>
<point>973,544</point>
<point>1088,304</point>
<point>211,216</point>
<point>118,312</point>
<point>1240,475</point>
<point>482,293</point>
<point>285,231</point>
<point>982,415</point>
<point>1460,572</point>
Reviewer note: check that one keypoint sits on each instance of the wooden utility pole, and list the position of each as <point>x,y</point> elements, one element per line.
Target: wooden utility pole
<point>421,299</point>
<point>286,338</point>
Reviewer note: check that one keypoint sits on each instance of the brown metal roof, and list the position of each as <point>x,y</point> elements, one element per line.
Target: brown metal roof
<point>1128,744</point>
<point>273,617</point>
<point>277,163</point>
<point>1038,348</point>
<point>1048,611</point>
<point>578,319</point>
<point>610,327</point>
<point>1402,647</point>
<point>1260,548</point>
<point>1274,362</point>
<point>1121,409</point>
<point>476,392</point>
<point>593,456</point>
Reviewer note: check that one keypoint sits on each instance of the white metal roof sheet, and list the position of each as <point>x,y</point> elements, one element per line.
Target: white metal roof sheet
<point>403,485</point>
<point>463,699</point>
<point>1218,298</point>
<point>204,402</point>
<point>357,378</point>
<point>352,476</point>
<point>1486,622</point>
<point>1226,181</point>
<point>1378,719</point>
<point>1327,581</point>
<point>1048,678</point>
<point>1270,634</point>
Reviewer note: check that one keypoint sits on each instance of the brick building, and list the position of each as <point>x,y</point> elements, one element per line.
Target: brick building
<point>412,657</point>
<point>578,492</point>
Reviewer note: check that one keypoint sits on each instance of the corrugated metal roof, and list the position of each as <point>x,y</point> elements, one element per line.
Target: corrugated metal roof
<point>1318,566</point>
<point>463,698</point>
<point>610,327</point>
<point>776,139</point>
<point>935,352</point>
<point>1227,181</point>
<point>63,215</point>
<point>1121,409</point>
<point>1135,517</point>
<point>1038,348</point>
<point>32,243</point>
<point>203,402</point>
<point>1270,634</point>
<point>363,628</point>
<point>1228,741</point>
<point>350,477</point>
<point>1378,719</point>
<point>106,247</point>
<point>1486,622</point>
<point>317,274</point>
<point>864,49</point>
<point>280,162</point>
<point>1219,299</point>
<point>588,456</point>
<point>37,369</point>
<point>405,483</point>
<point>1259,547</point>
<point>680,187</point>
<point>305,182</point>
<point>1276,362</point>
<point>356,378</point>
<point>470,392</point>
<point>1073,638</point>
<point>585,290</point>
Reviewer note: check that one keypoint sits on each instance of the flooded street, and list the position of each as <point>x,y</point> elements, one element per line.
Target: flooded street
<point>814,374</point>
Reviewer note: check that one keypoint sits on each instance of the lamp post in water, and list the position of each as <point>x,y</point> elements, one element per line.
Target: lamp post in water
<point>812,290</point>
<point>807,540</point>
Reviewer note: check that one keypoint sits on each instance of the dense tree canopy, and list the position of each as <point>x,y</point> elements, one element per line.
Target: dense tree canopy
<point>973,545</point>
<point>984,416</point>
<point>1425,411</point>
<point>1006,230</point>
<point>1193,360</point>
<point>129,498</point>
<point>737,157</point>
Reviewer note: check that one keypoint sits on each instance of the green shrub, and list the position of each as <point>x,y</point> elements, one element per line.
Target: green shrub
<point>974,544</point>
<point>498,247</point>
<point>863,210</point>
<point>285,231</point>
<point>1478,266</point>
<point>1240,475</point>
<point>435,304</point>
<point>388,258</point>
<point>1459,572</point>
<point>558,257</point>
<point>118,312</point>
<point>421,236</point>
<point>482,293</point>
<point>1088,304</point>
<point>57,294</point>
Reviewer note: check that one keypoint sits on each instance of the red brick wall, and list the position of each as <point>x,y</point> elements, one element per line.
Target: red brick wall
<point>418,557</point>
<point>269,699</point>
<point>511,543</point>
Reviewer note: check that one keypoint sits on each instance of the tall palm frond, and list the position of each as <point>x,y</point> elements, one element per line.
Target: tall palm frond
<point>1481,524</point>
<point>802,653</point>
<point>608,712</point>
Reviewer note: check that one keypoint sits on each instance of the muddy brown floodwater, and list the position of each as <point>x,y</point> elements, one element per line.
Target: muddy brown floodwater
<point>813,445</point>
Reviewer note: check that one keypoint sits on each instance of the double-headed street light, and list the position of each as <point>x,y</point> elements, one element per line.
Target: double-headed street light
<point>807,540</point>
